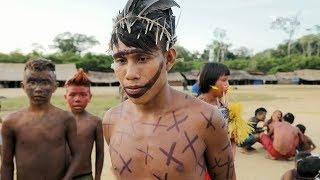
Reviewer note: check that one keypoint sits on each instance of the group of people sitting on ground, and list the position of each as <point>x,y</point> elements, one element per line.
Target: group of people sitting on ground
<point>277,135</point>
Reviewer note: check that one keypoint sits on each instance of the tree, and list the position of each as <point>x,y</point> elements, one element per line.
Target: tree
<point>183,53</point>
<point>219,47</point>
<point>289,25</point>
<point>73,43</point>
<point>316,28</point>
<point>243,52</point>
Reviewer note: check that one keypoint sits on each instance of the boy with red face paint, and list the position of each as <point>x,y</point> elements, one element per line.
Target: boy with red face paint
<point>89,127</point>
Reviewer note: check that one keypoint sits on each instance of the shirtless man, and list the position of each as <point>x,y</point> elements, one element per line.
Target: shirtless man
<point>37,136</point>
<point>284,142</point>
<point>89,127</point>
<point>159,133</point>
<point>275,117</point>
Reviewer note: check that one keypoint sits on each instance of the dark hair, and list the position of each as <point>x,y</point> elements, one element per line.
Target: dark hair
<point>289,117</point>
<point>301,127</point>
<point>39,64</point>
<point>260,110</point>
<point>308,167</point>
<point>209,75</point>
<point>146,41</point>
<point>302,155</point>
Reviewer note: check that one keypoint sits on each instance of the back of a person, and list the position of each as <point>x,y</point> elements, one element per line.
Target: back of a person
<point>286,138</point>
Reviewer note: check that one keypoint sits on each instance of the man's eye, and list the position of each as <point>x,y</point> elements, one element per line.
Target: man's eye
<point>32,82</point>
<point>142,59</point>
<point>120,61</point>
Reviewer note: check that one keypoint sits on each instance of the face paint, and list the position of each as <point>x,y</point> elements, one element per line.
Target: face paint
<point>78,98</point>
<point>138,91</point>
<point>39,86</point>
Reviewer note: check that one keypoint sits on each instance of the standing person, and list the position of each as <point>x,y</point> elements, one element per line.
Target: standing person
<point>159,133</point>
<point>37,136</point>
<point>213,83</point>
<point>89,127</point>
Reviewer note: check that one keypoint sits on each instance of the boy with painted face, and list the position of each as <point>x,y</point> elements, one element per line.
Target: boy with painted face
<point>37,136</point>
<point>159,133</point>
<point>89,127</point>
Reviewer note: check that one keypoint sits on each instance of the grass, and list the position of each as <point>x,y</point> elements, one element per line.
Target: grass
<point>98,105</point>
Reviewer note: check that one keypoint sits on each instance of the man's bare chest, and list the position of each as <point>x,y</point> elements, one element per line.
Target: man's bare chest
<point>34,132</point>
<point>156,147</point>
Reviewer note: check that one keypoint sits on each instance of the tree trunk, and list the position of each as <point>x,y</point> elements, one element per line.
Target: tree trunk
<point>309,49</point>
<point>289,47</point>
<point>318,52</point>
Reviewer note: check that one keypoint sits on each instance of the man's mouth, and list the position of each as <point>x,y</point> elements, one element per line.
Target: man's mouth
<point>135,91</point>
<point>39,97</point>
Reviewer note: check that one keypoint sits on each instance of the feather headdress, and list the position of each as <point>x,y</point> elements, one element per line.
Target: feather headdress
<point>143,10</point>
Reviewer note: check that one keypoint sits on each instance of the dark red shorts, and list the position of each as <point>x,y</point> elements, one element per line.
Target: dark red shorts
<point>267,143</point>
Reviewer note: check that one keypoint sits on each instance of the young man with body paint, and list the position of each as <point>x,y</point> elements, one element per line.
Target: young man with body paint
<point>159,133</point>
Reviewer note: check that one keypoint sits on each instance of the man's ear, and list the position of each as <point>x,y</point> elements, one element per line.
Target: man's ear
<point>170,55</point>
<point>22,85</point>
<point>56,86</point>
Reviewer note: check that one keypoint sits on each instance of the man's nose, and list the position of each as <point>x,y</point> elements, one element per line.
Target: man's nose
<point>38,88</point>
<point>77,98</point>
<point>132,72</point>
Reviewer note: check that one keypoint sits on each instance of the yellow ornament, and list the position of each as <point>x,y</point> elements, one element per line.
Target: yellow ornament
<point>238,128</point>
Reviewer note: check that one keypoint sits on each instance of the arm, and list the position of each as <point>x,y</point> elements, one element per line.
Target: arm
<point>313,146</point>
<point>7,152</point>
<point>218,155</point>
<point>73,145</point>
<point>99,150</point>
<point>270,131</point>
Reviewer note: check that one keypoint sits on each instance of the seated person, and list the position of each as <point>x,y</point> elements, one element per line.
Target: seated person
<point>307,167</point>
<point>259,116</point>
<point>284,142</point>
<point>275,117</point>
<point>305,143</point>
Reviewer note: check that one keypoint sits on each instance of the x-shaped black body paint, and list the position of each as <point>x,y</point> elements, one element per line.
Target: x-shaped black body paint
<point>190,144</point>
<point>170,156</point>
<point>159,178</point>
<point>203,167</point>
<point>125,165</point>
<point>156,126</point>
<point>146,153</point>
<point>209,120</point>
<point>176,122</point>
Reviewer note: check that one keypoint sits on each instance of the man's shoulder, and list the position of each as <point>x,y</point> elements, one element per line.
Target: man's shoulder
<point>62,114</point>
<point>14,116</point>
<point>112,111</point>
<point>93,118</point>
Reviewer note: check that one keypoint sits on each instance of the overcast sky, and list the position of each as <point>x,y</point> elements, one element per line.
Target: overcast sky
<point>247,22</point>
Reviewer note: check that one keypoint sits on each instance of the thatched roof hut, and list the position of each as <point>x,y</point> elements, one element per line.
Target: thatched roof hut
<point>102,78</point>
<point>308,76</point>
<point>286,78</point>
<point>11,74</point>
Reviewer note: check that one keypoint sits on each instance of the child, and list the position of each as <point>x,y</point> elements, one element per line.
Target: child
<point>89,127</point>
<point>305,144</point>
<point>259,116</point>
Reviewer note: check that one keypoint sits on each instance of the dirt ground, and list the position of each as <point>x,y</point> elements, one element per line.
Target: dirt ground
<point>302,101</point>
